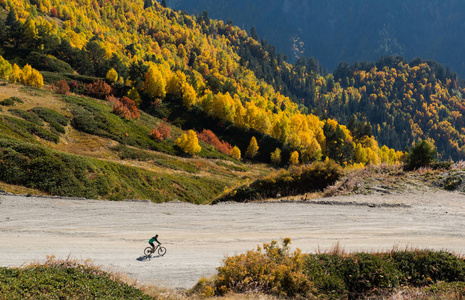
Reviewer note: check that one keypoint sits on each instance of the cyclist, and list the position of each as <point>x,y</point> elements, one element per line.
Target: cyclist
<point>154,239</point>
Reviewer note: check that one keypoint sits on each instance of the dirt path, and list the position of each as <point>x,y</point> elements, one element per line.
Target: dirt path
<point>113,234</point>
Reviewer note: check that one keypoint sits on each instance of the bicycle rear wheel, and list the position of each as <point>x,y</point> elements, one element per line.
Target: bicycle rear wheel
<point>148,251</point>
<point>161,251</point>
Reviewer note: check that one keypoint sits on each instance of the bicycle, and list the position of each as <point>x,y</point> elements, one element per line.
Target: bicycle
<point>149,251</point>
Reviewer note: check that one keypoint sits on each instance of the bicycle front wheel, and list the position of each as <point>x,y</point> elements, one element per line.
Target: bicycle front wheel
<point>148,251</point>
<point>161,251</point>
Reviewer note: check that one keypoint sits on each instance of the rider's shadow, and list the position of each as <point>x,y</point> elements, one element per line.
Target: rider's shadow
<point>146,258</point>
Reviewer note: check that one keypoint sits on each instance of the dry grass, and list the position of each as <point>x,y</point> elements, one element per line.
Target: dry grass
<point>384,178</point>
<point>20,190</point>
<point>32,98</point>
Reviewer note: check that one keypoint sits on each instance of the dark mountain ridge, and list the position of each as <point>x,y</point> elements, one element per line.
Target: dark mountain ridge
<point>350,31</point>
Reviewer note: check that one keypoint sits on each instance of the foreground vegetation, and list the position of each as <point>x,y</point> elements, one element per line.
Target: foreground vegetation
<point>269,272</point>
<point>273,269</point>
<point>64,279</point>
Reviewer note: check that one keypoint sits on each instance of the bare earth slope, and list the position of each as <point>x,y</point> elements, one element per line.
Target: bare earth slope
<point>114,234</point>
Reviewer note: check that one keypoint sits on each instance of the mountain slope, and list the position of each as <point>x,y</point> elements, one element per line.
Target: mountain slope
<point>112,165</point>
<point>131,57</point>
<point>349,31</point>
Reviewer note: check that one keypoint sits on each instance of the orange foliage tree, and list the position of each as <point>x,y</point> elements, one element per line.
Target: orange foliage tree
<point>126,108</point>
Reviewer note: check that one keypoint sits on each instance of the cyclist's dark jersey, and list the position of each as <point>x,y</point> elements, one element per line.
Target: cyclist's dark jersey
<point>153,239</point>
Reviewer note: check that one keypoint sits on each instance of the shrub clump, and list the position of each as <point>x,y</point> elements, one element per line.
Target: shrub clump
<point>293,181</point>
<point>27,115</point>
<point>275,271</point>
<point>421,155</point>
<point>11,101</point>
<point>64,279</point>
<point>209,137</point>
<point>335,275</point>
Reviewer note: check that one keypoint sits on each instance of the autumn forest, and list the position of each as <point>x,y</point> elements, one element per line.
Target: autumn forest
<point>226,87</point>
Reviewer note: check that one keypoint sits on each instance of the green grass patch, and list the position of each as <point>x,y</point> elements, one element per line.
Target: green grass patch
<point>157,159</point>
<point>25,128</point>
<point>64,280</point>
<point>65,174</point>
<point>28,116</point>
<point>51,116</point>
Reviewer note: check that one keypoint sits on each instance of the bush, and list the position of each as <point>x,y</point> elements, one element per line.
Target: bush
<point>126,108</point>
<point>421,155</point>
<point>49,63</point>
<point>11,101</point>
<point>424,266</point>
<point>274,272</point>
<point>51,116</point>
<point>28,116</point>
<point>294,181</point>
<point>58,279</point>
<point>22,125</point>
<point>62,87</point>
<point>99,89</point>
<point>208,137</point>
<point>161,132</point>
<point>336,275</point>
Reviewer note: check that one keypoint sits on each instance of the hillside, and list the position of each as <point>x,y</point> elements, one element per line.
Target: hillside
<point>125,78</point>
<point>110,157</point>
<point>348,31</point>
<point>398,101</point>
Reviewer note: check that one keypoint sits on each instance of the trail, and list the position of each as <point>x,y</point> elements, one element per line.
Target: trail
<point>114,234</point>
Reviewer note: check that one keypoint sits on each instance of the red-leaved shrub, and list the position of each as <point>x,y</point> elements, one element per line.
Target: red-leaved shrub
<point>62,87</point>
<point>209,137</point>
<point>161,132</point>
<point>125,108</point>
<point>54,12</point>
<point>99,89</point>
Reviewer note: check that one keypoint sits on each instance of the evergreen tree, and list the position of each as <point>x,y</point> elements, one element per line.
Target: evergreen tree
<point>14,28</point>
<point>421,155</point>
<point>336,146</point>
<point>148,3</point>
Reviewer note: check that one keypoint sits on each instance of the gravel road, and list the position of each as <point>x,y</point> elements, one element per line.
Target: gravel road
<point>197,238</point>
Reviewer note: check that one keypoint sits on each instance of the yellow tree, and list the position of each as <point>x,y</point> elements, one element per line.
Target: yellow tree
<point>189,143</point>
<point>133,94</point>
<point>32,77</point>
<point>312,151</point>
<point>154,83</point>
<point>36,79</point>
<point>276,156</point>
<point>175,83</point>
<point>252,149</point>
<point>112,75</point>
<point>5,69</point>
<point>188,95</point>
<point>294,160</point>
<point>236,153</point>
<point>16,73</point>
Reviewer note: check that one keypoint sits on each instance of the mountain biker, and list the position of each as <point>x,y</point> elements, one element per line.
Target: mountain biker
<point>154,239</point>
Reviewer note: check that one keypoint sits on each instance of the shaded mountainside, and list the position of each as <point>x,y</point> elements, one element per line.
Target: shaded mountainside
<point>350,31</point>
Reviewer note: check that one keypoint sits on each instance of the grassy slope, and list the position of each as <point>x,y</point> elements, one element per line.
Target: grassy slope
<point>100,155</point>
